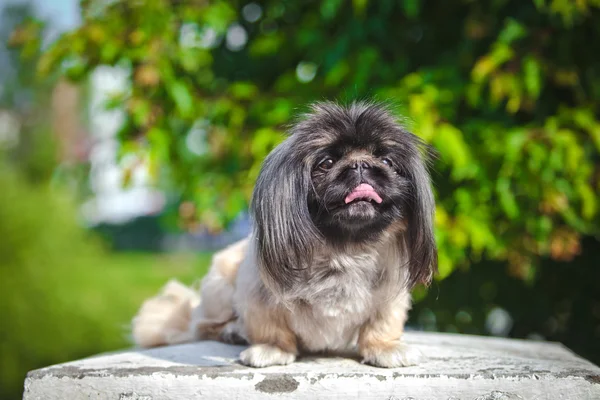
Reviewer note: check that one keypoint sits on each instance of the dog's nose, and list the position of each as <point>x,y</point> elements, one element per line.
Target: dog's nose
<point>361,165</point>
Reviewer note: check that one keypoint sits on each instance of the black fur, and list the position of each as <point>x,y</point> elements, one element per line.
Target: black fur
<point>298,205</point>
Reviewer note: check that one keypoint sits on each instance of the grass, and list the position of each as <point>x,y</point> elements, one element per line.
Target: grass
<point>125,280</point>
<point>87,312</point>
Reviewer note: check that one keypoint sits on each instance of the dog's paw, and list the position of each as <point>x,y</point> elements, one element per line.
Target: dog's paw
<point>264,355</point>
<point>400,355</point>
<point>233,333</point>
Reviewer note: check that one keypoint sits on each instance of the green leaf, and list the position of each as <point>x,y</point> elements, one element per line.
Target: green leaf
<point>141,112</point>
<point>411,7</point>
<point>359,6</point>
<point>266,45</point>
<point>219,15</point>
<point>450,143</point>
<point>243,90</point>
<point>192,60</point>
<point>110,51</point>
<point>182,97</point>
<point>336,74</point>
<point>329,8</point>
<point>263,141</point>
<point>533,76</point>
<point>513,30</point>
<point>445,266</point>
<point>515,141</point>
<point>589,200</point>
<point>160,143</point>
<point>507,199</point>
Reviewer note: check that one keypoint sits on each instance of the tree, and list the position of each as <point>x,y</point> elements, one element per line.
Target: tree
<point>506,91</point>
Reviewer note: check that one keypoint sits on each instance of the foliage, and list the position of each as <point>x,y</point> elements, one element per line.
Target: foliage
<point>506,91</point>
<point>561,305</point>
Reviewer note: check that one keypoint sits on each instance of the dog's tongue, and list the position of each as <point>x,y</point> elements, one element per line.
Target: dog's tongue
<point>363,191</point>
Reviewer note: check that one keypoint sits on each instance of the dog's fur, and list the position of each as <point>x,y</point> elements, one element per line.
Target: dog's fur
<point>320,272</point>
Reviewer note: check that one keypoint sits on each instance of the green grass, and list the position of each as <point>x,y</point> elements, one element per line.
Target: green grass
<point>122,282</point>
<point>138,276</point>
<point>85,313</point>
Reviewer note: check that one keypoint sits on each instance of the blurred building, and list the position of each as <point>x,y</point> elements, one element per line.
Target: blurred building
<point>114,203</point>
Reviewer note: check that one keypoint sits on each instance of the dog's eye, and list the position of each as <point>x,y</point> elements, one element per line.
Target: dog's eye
<point>326,164</point>
<point>387,162</point>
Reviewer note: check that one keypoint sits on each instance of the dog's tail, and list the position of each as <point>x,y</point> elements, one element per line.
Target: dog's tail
<point>178,315</point>
<point>165,318</point>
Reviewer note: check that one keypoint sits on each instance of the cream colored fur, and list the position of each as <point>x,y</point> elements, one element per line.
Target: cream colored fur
<point>165,319</point>
<point>352,300</point>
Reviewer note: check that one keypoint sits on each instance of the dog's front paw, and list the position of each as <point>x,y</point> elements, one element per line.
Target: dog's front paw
<point>264,355</point>
<point>399,355</point>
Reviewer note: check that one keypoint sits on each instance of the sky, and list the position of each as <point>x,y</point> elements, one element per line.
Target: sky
<point>62,14</point>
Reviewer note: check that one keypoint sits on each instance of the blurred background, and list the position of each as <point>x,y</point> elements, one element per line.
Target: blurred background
<point>131,133</point>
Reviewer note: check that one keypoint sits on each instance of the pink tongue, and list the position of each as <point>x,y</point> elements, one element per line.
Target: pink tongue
<point>363,191</point>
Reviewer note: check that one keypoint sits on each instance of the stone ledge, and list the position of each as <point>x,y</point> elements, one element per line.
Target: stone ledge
<point>455,367</point>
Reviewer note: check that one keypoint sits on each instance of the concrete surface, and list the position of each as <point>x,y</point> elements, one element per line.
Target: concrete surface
<point>455,367</point>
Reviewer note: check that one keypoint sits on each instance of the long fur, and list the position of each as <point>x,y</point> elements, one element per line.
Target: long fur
<point>285,235</point>
<point>317,274</point>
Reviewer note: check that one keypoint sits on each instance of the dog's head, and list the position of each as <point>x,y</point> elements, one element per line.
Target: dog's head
<point>345,175</point>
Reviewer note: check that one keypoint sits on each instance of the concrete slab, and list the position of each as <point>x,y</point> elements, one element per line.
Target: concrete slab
<point>455,367</point>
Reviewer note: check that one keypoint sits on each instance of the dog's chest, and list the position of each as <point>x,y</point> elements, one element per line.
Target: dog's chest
<point>336,301</point>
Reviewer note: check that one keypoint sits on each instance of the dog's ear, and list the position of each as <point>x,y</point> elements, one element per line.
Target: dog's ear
<point>283,228</point>
<point>419,236</point>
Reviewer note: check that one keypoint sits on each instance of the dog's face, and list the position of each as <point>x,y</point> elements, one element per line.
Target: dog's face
<point>344,175</point>
<point>357,171</point>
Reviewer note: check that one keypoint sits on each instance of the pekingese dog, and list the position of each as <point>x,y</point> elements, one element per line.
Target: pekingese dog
<point>343,229</point>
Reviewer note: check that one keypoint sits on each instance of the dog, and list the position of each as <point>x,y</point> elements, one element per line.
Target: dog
<point>342,230</point>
